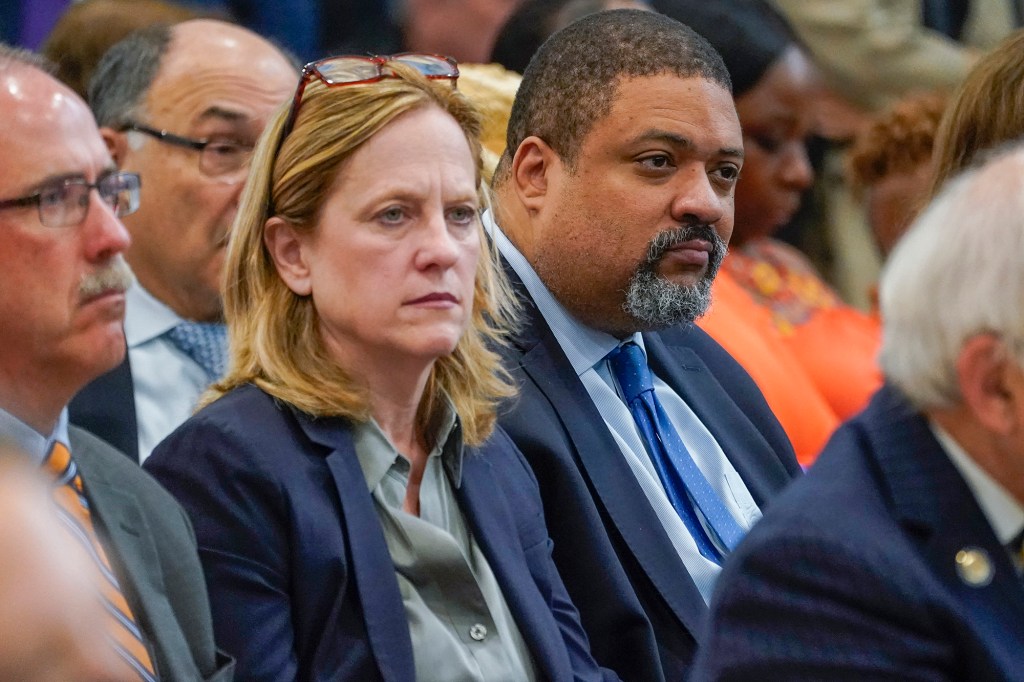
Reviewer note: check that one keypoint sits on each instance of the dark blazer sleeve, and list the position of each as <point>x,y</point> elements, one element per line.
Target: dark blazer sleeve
<point>272,541</point>
<point>154,551</point>
<point>807,607</point>
<point>238,514</point>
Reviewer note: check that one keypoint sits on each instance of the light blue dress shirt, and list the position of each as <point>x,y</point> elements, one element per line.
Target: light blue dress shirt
<point>34,444</point>
<point>587,348</point>
<point>167,382</point>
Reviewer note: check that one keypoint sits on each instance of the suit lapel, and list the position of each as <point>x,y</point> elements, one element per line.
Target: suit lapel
<point>381,602</point>
<point>490,518</point>
<point>750,454</point>
<point>608,473</point>
<point>132,550</point>
<point>940,515</point>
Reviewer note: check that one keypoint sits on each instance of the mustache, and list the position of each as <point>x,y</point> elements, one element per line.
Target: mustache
<point>115,275</point>
<point>668,239</point>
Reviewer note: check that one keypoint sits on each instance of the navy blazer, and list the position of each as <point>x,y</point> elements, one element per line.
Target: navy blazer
<point>638,604</point>
<point>301,580</point>
<point>852,573</point>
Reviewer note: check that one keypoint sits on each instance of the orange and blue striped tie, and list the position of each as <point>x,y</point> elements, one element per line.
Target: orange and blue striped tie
<point>73,509</point>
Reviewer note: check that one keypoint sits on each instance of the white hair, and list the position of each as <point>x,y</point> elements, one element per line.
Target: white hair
<point>958,272</point>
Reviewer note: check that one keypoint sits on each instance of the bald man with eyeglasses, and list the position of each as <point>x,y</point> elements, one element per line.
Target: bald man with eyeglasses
<point>64,280</point>
<point>182,107</point>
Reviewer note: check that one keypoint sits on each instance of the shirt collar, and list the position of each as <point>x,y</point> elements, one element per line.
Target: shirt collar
<point>1004,513</point>
<point>377,455</point>
<point>583,345</point>
<point>146,318</point>
<point>34,444</point>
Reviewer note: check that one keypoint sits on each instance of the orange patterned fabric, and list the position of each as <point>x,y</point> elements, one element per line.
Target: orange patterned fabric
<point>73,509</point>
<point>814,357</point>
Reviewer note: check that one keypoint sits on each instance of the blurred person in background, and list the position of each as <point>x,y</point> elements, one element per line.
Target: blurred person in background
<point>89,28</point>
<point>890,164</point>
<point>986,111</point>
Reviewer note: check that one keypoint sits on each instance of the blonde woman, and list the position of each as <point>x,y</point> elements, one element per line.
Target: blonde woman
<point>358,516</point>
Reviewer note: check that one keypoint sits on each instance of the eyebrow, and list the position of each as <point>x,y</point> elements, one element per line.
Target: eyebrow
<point>681,141</point>
<point>223,114</point>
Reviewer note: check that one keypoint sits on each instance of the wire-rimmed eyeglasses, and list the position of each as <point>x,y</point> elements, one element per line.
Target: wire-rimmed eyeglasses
<point>64,202</point>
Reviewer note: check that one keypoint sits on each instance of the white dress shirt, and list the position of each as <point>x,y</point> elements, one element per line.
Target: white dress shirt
<point>586,349</point>
<point>167,382</point>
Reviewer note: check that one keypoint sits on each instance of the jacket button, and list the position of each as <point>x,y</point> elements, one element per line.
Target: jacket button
<point>478,632</point>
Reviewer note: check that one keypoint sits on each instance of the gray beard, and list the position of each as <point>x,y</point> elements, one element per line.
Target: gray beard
<point>656,303</point>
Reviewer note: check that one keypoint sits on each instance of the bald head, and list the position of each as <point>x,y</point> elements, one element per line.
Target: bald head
<point>128,70</point>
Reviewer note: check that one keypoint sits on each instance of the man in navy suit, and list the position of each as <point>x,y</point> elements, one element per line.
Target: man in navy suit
<point>615,204</point>
<point>898,556</point>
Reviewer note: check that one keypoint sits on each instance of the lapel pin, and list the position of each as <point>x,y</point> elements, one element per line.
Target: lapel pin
<point>974,566</point>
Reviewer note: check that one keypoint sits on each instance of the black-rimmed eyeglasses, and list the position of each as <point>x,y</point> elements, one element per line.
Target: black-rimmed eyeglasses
<point>217,158</point>
<point>65,201</point>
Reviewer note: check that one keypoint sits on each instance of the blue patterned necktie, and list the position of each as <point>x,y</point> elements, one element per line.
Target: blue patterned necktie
<point>204,342</point>
<point>678,472</point>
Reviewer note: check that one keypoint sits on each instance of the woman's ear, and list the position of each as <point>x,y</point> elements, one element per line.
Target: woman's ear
<point>287,249</point>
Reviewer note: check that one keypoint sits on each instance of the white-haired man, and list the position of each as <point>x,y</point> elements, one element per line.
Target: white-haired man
<point>898,556</point>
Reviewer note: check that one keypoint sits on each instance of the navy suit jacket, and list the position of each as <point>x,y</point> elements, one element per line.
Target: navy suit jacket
<point>638,604</point>
<point>852,573</point>
<point>301,580</point>
<point>106,409</point>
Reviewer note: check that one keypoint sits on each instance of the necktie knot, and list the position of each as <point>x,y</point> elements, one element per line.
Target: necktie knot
<point>204,342</point>
<point>629,365</point>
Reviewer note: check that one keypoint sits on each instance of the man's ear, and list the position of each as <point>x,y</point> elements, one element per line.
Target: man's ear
<point>117,144</point>
<point>286,248</point>
<point>532,168</point>
<point>991,383</point>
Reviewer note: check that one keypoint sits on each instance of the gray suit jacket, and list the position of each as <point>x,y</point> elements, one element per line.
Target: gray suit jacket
<point>153,551</point>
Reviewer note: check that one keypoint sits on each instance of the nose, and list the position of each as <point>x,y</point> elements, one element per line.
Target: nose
<point>796,170</point>
<point>104,234</point>
<point>438,247</point>
<point>698,201</point>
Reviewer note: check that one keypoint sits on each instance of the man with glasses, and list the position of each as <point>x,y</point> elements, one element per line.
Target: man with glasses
<point>181,106</point>
<point>63,280</point>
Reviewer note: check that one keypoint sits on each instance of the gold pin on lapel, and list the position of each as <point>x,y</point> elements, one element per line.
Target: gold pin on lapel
<point>974,566</point>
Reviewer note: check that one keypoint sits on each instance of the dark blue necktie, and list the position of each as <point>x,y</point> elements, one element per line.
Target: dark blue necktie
<point>678,472</point>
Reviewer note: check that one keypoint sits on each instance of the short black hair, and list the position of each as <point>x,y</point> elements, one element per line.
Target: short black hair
<point>572,81</point>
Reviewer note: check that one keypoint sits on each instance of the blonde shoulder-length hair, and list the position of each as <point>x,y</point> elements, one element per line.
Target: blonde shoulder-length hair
<point>275,337</point>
